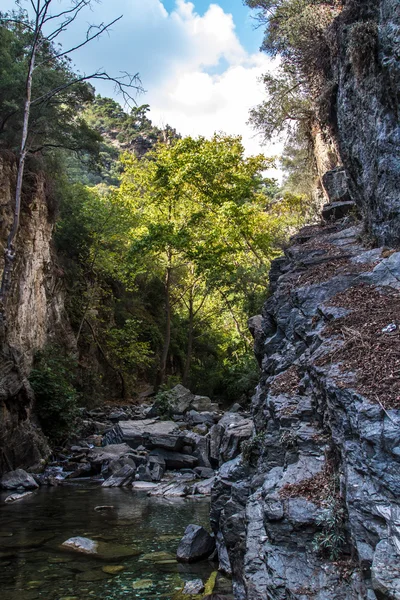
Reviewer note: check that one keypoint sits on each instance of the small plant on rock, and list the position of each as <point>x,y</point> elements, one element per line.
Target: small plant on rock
<point>164,404</point>
<point>252,448</point>
<point>330,541</point>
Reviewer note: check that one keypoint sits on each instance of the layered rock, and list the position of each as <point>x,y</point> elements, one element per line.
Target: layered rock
<point>310,509</point>
<point>365,49</point>
<point>34,313</point>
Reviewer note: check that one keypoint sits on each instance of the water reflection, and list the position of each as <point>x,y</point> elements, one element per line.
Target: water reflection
<point>34,567</point>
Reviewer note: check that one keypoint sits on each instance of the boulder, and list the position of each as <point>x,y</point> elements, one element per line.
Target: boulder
<point>151,433</point>
<point>182,399</point>
<point>203,403</point>
<point>122,477</point>
<point>195,545</point>
<point>17,479</point>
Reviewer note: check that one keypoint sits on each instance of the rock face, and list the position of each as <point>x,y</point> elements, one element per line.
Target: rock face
<point>195,545</point>
<point>34,311</point>
<point>311,510</point>
<point>366,63</point>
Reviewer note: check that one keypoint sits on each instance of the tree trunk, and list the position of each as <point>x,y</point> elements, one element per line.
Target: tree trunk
<point>167,337</point>
<point>9,253</point>
<point>189,348</point>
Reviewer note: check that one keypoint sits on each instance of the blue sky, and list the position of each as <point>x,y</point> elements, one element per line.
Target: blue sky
<point>199,61</point>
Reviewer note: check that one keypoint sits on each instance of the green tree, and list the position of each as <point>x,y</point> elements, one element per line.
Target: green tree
<point>204,225</point>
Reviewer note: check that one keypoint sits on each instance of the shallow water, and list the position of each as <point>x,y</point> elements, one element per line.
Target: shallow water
<point>33,567</point>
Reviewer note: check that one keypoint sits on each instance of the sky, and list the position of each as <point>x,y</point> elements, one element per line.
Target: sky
<point>199,61</point>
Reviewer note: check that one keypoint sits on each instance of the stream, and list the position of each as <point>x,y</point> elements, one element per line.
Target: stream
<point>33,567</point>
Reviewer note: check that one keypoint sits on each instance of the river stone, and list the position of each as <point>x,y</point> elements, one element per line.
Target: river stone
<point>158,556</point>
<point>16,496</point>
<point>196,544</point>
<point>18,479</point>
<point>113,569</point>
<point>193,587</point>
<point>102,550</point>
<point>142,584</point>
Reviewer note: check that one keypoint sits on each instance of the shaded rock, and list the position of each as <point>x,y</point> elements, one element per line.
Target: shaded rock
<point>195,545</point>
<point>193,587</point>
<point>13,480</point>
<point>204,472</point>
<point>337,210</point>
<point>176,460</point>
<point>336,185</point>
<point>144,473</point>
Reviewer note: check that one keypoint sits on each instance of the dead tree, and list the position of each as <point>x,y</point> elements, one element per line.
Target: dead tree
<point>57,22</point>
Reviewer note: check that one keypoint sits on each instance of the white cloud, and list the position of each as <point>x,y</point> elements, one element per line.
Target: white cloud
<point>198,76</point>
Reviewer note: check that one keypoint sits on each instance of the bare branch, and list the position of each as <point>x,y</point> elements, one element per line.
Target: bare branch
<point>89,38</point>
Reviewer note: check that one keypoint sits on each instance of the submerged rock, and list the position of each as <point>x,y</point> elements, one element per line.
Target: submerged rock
<point>15,497</point>
<point>195,545</point>
<point>102,550</point>
<point>18,479</point>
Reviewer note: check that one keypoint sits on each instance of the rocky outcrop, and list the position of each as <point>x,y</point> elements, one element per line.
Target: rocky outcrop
<point>311,507</point>
<point>365,49</point>
<point>34,313</point>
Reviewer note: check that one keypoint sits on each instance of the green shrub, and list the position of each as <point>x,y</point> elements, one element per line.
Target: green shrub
<point>252,448</point>
<point>56,397</point>
<point>164,402</point>
<point>329,542</point>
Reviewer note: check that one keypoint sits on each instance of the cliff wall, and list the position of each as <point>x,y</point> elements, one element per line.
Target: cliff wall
<point>311,510</point>
<point>365,50</point>
<point>34,313</point>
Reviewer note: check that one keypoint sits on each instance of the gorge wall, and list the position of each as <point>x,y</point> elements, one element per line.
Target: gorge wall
<point>34,313</point>
<point>311,507</point>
